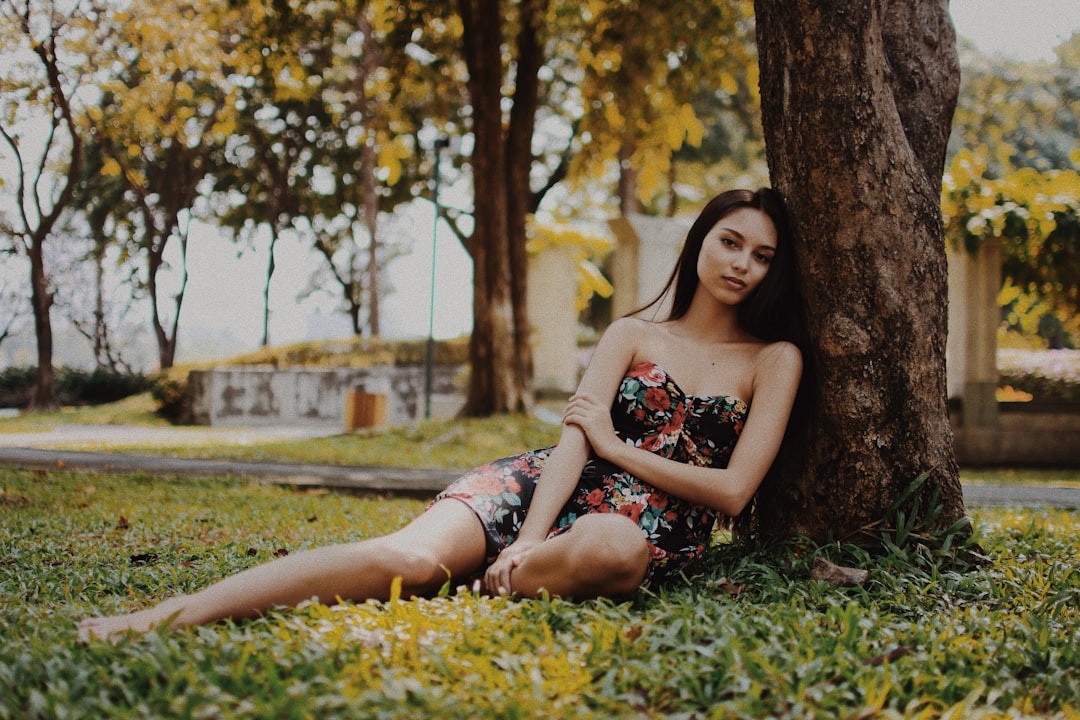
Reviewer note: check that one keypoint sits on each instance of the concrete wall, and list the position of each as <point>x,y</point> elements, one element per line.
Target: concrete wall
<point>645,254</point>
<point>974,316</point>
<point>253,396</point>
<point>553,317</point>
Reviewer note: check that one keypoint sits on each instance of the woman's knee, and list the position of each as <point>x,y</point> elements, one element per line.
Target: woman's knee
<point>420,569</point>
<point>611,551</point>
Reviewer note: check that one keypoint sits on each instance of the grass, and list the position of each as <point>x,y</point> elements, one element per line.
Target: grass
<point>435,443</point>
<point>138,410</point>
<point>749,635</point>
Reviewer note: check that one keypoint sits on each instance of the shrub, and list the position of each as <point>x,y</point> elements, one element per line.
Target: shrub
<point>73,386</point>
<point>1048,375</point>
<point>17,386</point>
<point>97,387</point>
<point>169,390</point>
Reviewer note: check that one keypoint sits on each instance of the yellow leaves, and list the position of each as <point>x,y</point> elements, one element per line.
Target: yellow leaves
<point>390,156</point>
<point>461,641</point>
<point>1025,200</point>
<point>183,91</point>
<point>612,115</point>
<point>652,174</point>
<point>224,127</point>
<point>584,247</point>
<point>111,168</point>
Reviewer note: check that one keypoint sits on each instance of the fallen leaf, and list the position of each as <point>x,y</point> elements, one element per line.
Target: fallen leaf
<point>895,654</point>
<point>837,574</point>
<point>732,589</point>
<point>122,523</point>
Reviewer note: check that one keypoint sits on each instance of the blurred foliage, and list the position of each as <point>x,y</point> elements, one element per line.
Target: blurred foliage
<point>585,248</point>
<point>1013,175</point>
<point>1036,217</point>
<point>73,386</point>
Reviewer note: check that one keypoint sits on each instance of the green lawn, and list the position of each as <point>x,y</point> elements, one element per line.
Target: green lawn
<point>750,634</point>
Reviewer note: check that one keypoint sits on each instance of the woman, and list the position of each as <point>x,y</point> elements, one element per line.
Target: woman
<point>646,460</point>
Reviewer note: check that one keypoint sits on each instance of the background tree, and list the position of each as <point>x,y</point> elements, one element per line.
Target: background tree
<point>163,112</point>
<point>501,164</point>
<point>1036,216</point>
<point>1013,176</point>
<point>13,309</point>
<point>857,101</point>
<point>648,76</point>
<point>43,77</point>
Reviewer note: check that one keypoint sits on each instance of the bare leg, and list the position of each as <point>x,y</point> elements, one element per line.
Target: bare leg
<point>602,556</point>
<point>447,538</point>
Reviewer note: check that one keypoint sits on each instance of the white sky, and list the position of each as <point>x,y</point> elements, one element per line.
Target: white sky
<point>1021,29</point>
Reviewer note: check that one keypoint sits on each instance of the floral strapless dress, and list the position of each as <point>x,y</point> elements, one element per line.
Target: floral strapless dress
<point>651,412</point>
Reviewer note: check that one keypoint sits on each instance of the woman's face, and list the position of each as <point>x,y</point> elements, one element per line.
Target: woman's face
<point>736,254</point>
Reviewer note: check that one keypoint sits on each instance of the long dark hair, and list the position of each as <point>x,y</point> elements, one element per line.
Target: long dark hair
<point>771,312</point>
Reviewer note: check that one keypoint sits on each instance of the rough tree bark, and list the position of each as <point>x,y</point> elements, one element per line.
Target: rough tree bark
<point>499,349</point>
<point>857,101</point>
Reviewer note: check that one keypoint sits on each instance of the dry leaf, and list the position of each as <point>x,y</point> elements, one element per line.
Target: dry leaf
<point>838,575</point>
<point>732,589</point>
<point>895,654</point>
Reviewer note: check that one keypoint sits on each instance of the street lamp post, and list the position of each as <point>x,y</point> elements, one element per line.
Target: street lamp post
<point>429,356</point>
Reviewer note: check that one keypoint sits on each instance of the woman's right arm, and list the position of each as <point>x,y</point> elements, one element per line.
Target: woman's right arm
<point>562,470</point>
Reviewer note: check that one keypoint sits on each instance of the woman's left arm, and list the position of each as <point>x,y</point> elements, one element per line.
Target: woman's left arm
<point>727,490</point>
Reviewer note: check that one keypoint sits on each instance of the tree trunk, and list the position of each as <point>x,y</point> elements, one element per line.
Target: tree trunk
<point>34,238</point>
<point>372,61</point>
<point>271,267</point>
<point>519,157</point>
<point>494,380</point>
<point>857,101</point>
<point>44,397</point>
<point>166,337</point>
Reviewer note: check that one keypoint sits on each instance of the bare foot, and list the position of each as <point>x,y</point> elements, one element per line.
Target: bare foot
<point>114,628</point>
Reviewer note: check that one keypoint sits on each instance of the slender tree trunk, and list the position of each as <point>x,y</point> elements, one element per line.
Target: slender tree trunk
<point>271,266</point>
<point>41,299</point>
<point>34,238</point>
<point>166,337</point>
<point>372,60</point>
<point>628,182</point>
<point>493,385</point>
<point>519,157</point>
<point>857,101</point>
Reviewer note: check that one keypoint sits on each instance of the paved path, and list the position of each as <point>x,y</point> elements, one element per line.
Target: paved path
<point>51,449</point>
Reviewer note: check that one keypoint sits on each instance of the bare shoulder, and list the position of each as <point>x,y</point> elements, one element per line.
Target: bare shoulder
<point>630,327</point>
<point>779,359</point>
<point>628,332</point>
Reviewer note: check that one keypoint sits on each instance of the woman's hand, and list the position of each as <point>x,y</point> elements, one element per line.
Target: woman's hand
<point>594,418</point>
<point>497,578</point>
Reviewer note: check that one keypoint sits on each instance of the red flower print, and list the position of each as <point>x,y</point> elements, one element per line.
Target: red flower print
<point>649,374</point>
<point>657,399</point>
<point>651,443</point>
<point>488,485</point>
<point>632,511</point>
<point>595,498</point>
